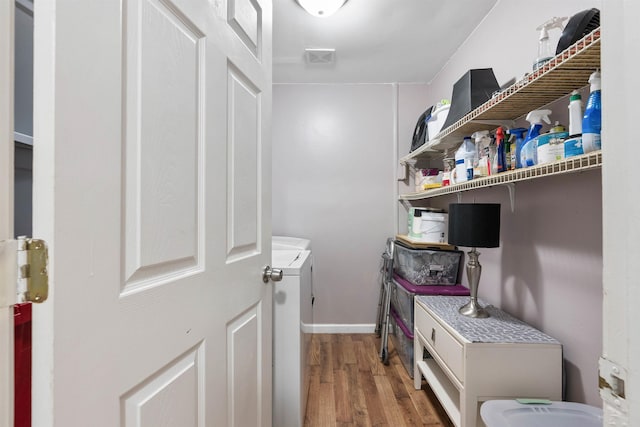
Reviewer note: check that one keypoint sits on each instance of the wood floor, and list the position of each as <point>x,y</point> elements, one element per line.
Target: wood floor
<point>351,387</point>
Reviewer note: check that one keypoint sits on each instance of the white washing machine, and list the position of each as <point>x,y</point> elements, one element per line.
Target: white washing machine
<point>287,242</point>
<point>292,320</point>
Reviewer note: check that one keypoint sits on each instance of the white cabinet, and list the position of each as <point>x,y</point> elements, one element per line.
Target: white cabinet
<point>473,360</point>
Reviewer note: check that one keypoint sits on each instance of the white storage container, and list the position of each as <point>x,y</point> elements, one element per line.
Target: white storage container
<point>511,413</point>
<point>434,227</point>
<point>438,117</point>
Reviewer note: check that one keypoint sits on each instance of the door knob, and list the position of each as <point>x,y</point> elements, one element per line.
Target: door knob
<point>273,274</point>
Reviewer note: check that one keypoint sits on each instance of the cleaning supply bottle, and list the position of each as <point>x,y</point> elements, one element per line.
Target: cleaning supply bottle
<point>528,153</point>
<point>515,151</point>
<point>575,114</point>
<point>592,120</point>
<point>557,127</point>
<point>501,160</point>
<point>545,50</point>
<point>510,151</point>
<point>464,161</point>
<point>493,157</point>
<point>482,142</point>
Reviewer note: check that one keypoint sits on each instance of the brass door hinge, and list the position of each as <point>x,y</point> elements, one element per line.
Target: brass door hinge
<point>23,271</point>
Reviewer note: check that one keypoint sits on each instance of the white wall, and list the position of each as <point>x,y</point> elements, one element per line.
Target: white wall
<point>503,43</point>
<point>334,183</point>
<point>548,269</point>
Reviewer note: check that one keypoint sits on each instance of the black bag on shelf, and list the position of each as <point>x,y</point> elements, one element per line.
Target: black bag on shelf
<point>472,90</point>
<point>420,135</point>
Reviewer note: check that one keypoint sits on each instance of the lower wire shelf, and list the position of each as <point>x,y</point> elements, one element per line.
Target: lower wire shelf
<point>581,163</point>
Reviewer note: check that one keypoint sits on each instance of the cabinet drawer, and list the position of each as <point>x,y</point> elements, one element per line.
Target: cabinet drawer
<point>445,345</point>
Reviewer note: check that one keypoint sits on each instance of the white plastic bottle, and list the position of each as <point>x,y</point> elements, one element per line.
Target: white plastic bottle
<point>416,227</point>
<point>464,160</point>
<point>575,114</point>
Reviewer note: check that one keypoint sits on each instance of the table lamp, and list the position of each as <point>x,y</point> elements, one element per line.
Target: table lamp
<point>474,225</point>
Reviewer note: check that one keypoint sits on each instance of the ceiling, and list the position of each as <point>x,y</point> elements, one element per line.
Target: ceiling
<point>375,41</point>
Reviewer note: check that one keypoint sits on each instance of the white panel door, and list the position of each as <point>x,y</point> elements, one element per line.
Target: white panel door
<point>152,186</point>
<point>6,208</point>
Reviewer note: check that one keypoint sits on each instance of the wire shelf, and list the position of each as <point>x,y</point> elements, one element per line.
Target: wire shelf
<point>581,163</point>
<point>566,72</point>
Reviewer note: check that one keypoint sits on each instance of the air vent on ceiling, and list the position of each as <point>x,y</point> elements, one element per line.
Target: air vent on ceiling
<point>320,56</point>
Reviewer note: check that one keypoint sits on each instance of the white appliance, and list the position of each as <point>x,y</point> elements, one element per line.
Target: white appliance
<point>286,242</point>
<point>292,319</point>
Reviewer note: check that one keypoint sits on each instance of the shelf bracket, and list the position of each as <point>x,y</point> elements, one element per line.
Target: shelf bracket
<point>405,177</point>
<point>459,197</point>
<point>512,195</point>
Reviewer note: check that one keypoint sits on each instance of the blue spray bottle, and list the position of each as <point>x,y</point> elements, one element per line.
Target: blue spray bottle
<point>515,151</point>
<point>592,120</point>
<point>528,154</point>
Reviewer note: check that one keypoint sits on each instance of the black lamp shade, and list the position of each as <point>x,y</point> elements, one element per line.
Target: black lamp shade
<point>474,225</point>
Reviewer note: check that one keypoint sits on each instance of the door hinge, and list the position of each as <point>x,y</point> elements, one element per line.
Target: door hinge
<point>23,271</point>
<point>612,378</point>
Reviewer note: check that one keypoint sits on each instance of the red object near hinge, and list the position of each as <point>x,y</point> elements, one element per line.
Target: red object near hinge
<point>22,371</point>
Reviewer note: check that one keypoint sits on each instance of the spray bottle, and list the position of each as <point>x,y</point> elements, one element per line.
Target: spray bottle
<point>515,151</point>
<point>501,158</point>
<point>592,120</point>
<point>545,50</point>
<point>528,154</point>
<point>510,151</point>
<point>483,141</point>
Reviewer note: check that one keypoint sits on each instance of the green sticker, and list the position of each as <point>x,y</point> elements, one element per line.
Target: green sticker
<point>526,401</point>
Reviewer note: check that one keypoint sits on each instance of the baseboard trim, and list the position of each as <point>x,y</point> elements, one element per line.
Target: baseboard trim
<point>330,328</point>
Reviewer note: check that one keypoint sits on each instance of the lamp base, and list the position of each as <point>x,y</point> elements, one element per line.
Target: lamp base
<point>473,309</point>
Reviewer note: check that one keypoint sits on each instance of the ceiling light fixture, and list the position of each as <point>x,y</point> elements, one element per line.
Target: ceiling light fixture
<point>321,8</point>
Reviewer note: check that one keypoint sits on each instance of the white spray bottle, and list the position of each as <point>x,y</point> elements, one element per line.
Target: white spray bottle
<point>528,154</point>
<point>545,50</point>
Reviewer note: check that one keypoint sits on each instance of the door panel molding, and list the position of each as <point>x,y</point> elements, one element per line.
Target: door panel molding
<point>163,145</point>
<point>245,19</point>
<point>155,401</point>
<point>244,150</point>
<point>244,368</point>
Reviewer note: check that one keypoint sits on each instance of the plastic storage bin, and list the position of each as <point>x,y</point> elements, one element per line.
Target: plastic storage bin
<point>402,341</point>
<point>438,117</point>
<point>402,293</point>
<point>427,266</point>
<point>511,413</point>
